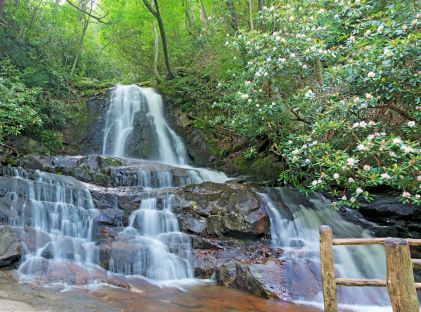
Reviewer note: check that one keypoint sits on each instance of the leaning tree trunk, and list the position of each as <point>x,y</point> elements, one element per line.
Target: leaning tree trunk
<point>82,38</point>
<point>157,14</point>
<point>203,16</point>
<point>156,54</point>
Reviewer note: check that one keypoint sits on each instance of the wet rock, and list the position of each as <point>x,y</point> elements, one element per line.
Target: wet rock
<point>109,171</point>
<point>208,261</point>
<point>10,248</point>
<point>92,137</point>
<point>226,274</point>
<point>264,280</point>
<point>228,209</point>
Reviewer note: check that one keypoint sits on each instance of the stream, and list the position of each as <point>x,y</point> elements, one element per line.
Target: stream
<point>69,243</point>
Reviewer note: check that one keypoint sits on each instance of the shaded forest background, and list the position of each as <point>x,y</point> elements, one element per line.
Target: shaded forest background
<point>320,95</point>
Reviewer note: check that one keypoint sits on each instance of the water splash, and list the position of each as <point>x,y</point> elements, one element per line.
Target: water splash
<point>295,223</point>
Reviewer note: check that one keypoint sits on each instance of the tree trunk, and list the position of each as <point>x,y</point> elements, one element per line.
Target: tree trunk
<point>1,9</point>
<point>155,12</point>
<point>233,15</point>
<point>203,16</point>
<point>82,38</point>
<point>262,4</point>
<point>251,15</point>
<point>156,54</point>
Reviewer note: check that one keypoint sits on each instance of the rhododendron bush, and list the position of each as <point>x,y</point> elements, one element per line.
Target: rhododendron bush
<point>335,88</point>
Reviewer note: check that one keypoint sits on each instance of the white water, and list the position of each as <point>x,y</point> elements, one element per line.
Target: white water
<point>294,228</point>
<point>60,211</point>
<point>158,250</point>
<point>54,216</point>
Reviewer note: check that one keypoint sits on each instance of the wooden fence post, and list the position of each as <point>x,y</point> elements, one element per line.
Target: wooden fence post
<point>327,269</point>
<point>400,276</point>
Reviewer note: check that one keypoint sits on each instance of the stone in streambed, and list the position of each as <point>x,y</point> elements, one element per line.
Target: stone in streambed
<point>263,280</point>
<point>10,248</point>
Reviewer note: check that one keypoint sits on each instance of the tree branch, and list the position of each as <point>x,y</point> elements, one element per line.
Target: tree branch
<point>97,18</point>
<point>395,109</point>
<point>150,8</point>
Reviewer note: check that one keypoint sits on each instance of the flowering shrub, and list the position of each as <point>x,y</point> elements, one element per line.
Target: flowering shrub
<point>334,86</point>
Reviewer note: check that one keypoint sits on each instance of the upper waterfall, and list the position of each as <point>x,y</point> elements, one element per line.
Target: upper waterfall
<point>151,131</point>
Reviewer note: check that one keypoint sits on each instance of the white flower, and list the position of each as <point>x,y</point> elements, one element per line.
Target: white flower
<point>397,141</point>
<point>362,147</point>
<point>367,168</point>
<point>363,105</point>
<point>385,176</point>
<point>351,39</point>
<point>370,137</point>
<point>295,152</point>
<point>356,125</point>
<point>419,178</point>
<point>380,28</point>
<point>363,124</point>
<point>359,190</point>
<point>406,149</point>
<point>417,196</point>
<point>411,123</point>
<point>336,176</point>
<point>387,52</point>
<point>392,154</point>
<point>371,75</point>
<point>344,197</point>
<point>368,96</point>
<point>290,142</point>
<point>292,55</point>
<point>368,32</point>
<point>351,180</point>
<point>371,123</point>
<point>291,18</point>
<point>351,161</point>
<point>404,27</point>
<point>352,199</point>
<point>268,59</point>
<point>282,60</point>
<point>314,182</point>
<point>406,195</point>
<point>310,94</point>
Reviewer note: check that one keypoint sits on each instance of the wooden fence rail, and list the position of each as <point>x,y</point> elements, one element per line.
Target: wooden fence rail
<point>399,269</point>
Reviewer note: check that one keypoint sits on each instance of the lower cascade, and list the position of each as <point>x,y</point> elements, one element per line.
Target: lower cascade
<point>60,224</point>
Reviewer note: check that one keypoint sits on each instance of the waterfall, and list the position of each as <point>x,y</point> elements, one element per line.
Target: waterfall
<point>126,102</point>
<point>54,218</point>
<point>295,223</point>
<point>158,250</point>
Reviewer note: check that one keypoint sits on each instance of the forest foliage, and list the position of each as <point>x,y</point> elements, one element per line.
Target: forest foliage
<point>329,87</point>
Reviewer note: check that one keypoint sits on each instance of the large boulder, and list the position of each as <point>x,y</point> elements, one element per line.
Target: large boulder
<point>10,248</point>
<point>219,210</point>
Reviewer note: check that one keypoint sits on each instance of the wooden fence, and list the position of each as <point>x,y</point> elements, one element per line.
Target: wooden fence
<point>399,269</point>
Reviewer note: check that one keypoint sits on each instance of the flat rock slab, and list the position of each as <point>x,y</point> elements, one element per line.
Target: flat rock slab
<point>262,279</point>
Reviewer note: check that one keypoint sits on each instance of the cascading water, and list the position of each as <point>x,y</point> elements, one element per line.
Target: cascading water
<point>158,250</point>
<point>54,216</point>
<point>295,222</point>
<point>56,219</point>
<point>126,102</point>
